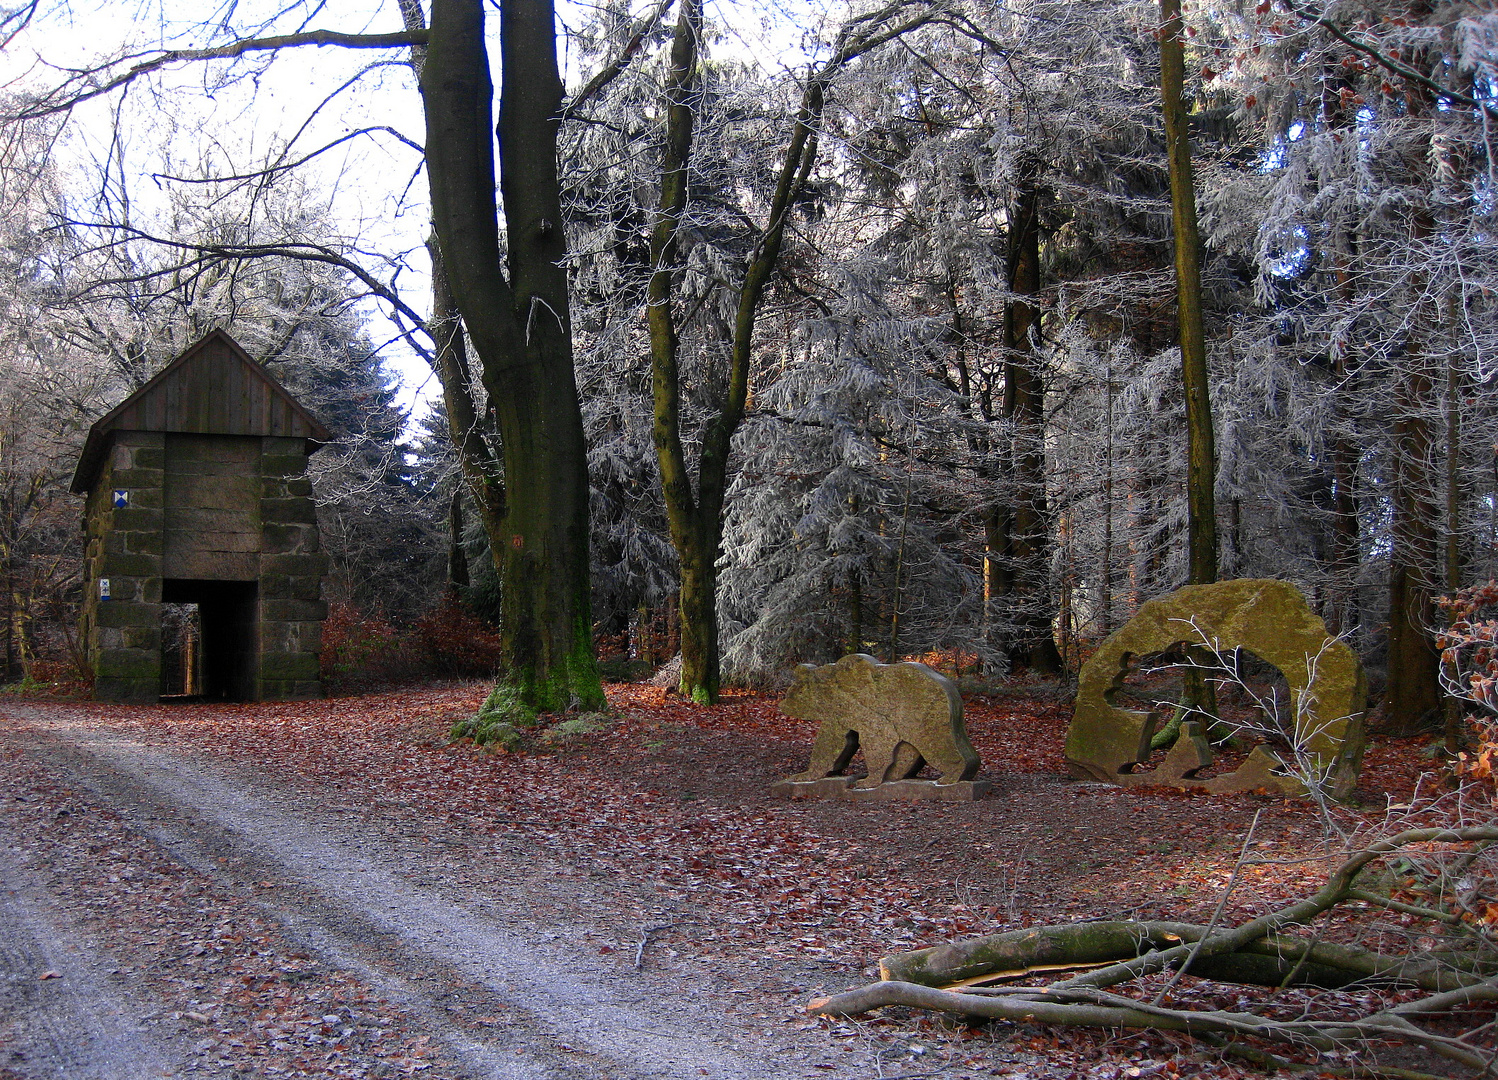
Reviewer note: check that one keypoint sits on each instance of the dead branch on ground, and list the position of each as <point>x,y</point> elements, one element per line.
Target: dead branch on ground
<point>1435,886</point>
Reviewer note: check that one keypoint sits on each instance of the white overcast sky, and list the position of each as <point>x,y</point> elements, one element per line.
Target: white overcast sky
<point>368,178</point>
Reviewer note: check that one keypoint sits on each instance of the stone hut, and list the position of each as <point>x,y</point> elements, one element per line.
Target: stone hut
<point>197,494</point>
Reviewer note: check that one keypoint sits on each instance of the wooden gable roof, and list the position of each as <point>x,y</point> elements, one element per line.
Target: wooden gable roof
<point>213,388</point>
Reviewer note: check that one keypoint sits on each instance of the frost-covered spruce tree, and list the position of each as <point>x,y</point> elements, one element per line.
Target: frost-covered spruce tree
<point>1017,199</point>
<point>634,567</point>
<point>844,526</point>
<point>1368,221</point>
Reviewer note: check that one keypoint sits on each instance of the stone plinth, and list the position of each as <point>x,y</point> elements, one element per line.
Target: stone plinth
<point>843,787</point>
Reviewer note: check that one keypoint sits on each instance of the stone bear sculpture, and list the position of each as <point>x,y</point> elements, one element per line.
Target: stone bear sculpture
<point>903,715</point>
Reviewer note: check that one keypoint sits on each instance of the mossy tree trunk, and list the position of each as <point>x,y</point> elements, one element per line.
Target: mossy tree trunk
<point>696,547</point>
<point>696,517</point>
<point>517,315</point>
<point>695,513</point>
<point>1201,447</point>
<point>1201,477</point>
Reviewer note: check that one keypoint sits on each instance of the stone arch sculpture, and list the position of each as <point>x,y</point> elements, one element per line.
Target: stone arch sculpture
<point>1269,618</point>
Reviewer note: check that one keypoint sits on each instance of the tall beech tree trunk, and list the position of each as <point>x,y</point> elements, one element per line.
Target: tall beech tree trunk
<point>696,515</point>
<point>518,320</point>
<point>1201,477</point>
<point>1201,448</point>
<point>1025,539</point>
<point>467,429</point>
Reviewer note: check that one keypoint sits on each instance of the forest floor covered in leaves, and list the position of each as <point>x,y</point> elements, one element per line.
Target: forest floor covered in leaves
<point>331,889</point>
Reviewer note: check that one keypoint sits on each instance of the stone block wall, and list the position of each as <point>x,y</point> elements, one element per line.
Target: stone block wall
<point>292,566</point>
<point>204,508</point>
<point>124,548</point>
<point>212,518</point>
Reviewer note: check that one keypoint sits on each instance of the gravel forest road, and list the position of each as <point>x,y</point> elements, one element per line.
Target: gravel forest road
<point>146,893</point>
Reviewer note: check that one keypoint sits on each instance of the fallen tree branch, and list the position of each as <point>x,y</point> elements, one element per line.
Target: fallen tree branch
<point>1019,1008</point>
<point>1095,1008</point>
<point>1065,944</point>
<point>1405,909</point>
<point>1271,961</point>
<point>1334,892</point>
<point>1456,972</point>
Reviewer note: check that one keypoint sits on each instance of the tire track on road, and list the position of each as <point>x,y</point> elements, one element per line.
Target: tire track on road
<point>502,1005</point>
<point>78,1025</point>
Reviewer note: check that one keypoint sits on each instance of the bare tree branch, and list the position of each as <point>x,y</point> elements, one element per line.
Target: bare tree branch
<point>306,252</point>
<point>611,71</point>
<point>272,170</point>
<point>13,22</point>
<point>1388,63</point>
<point>62,99</point>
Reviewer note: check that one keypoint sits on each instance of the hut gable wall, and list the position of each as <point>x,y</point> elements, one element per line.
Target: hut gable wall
<point>212,507</point>
<point>214,388</point>
<point>197,493</point>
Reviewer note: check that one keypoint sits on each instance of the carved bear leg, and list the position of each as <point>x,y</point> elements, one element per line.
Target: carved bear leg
<point>830,754</point>
<point>880,754</point>
<point>955,763</point>
<point>907,762</point>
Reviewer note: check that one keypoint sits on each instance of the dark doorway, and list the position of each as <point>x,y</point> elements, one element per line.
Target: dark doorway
<point>225,668</point>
